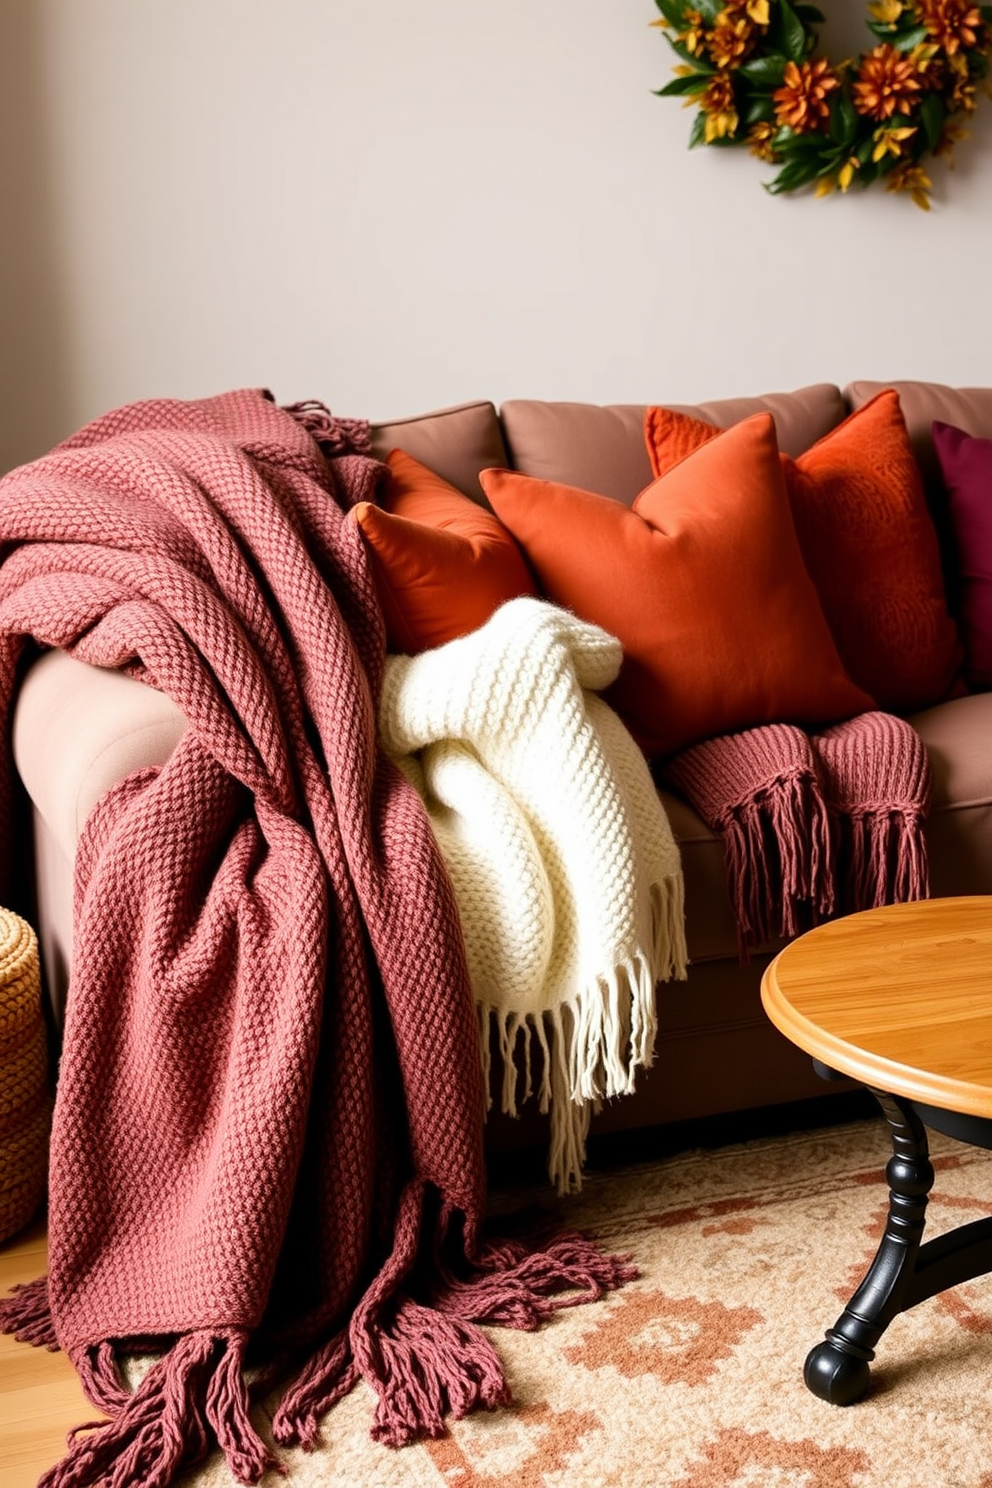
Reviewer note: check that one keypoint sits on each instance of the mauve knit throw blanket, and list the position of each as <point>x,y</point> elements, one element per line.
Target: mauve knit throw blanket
<point>812,824</point>
<point>267,1145</point>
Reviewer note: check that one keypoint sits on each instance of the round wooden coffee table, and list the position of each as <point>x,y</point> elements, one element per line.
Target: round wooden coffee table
<point>899,998</point>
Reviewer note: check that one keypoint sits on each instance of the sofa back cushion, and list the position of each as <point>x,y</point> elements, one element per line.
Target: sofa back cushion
<point>601,447</point>
<point>456,443</point>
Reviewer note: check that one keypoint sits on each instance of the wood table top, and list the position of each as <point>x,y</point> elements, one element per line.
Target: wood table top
<point>899,998</point>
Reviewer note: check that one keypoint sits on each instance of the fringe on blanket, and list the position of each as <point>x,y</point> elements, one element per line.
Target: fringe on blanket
<point>588,1049</point>
<point>812,825</point>
<point>877,785</point>
<point>416,1342</point>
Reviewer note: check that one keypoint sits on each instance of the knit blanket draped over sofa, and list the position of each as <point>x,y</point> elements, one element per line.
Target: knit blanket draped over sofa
<point>565,871</point>
<point>267,1145</point>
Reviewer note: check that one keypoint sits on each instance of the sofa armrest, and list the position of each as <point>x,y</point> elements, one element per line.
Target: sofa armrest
<point>78,730</point>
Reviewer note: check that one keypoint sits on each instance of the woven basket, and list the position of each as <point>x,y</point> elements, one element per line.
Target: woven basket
<point>25,1097</point>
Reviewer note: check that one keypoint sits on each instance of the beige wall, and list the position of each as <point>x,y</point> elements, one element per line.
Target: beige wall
<point>396,205</point>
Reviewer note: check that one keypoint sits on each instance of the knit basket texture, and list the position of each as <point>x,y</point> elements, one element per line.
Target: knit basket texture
<point>25,1094</point>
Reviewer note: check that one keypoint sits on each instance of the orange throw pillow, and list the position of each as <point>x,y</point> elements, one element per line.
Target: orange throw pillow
<point>703,583</point>
<point>869,545</point>
<point>442,563</point>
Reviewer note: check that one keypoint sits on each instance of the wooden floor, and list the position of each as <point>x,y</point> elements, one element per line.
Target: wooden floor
<point>40,1396</point>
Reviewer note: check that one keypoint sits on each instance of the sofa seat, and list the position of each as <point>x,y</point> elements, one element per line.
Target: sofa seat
<point>79,729</point>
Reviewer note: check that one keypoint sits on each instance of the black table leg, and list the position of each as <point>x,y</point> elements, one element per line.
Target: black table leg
<point>837,1369</point>
<point>904,1271</point>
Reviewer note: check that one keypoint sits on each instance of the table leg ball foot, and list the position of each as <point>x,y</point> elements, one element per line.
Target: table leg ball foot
<point>835,1375</point>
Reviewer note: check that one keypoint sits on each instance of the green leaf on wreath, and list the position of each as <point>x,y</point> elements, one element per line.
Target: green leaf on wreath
<point>909,39</point>
<point>694,83</point>
<point>760,109</point>
<point>708,9</point>
<point>793,32</point>
<point>800,146</point>
<point>932,116</point>
<point>673,11</point>
<point>765,72</point>
<point>793,175</point>
<point>843,120</point>
<point>698,130</point>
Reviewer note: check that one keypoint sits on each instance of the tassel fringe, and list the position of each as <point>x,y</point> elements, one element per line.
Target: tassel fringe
<point>336,436</point>
<point>193,1395</point>
<point>590,1048</point>
<point>325,1380</point>
<point>27,1315</point>
<point>780,835</point>
<point>884,858</point>
<point>427,1359</point>
<point>425,1366</point>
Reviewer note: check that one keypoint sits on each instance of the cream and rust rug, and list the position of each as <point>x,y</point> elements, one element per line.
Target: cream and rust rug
<point>691,1377</point>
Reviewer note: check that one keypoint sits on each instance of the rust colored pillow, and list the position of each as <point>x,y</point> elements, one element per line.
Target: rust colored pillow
<point>703,583</point>
<point>442,563</point>
<point>869,545</point>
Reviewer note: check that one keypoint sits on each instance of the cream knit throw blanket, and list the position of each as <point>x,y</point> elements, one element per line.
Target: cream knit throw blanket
<point>566,875</point>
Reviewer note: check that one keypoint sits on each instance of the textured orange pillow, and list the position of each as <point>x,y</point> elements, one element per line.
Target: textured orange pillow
<point>703,583</point>
<point>869,545</point>
<point>442,563</point>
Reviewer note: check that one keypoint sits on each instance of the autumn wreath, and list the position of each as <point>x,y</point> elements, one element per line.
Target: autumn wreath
<point>751,70</point>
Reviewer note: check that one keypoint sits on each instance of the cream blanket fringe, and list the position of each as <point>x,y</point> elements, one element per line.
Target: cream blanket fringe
<point>565,871</point>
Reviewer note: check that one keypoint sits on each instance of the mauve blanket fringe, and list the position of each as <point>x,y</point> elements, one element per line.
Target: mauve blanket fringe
<point>877,783</point>
<point>425,1360</point>
<point>428,1359</point>
<point>26,1314</point>
<point>787,820</point>
<point>812,825</point>
<point>193,1395</point>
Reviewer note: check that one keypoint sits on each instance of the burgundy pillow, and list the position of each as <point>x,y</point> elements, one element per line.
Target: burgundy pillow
<point>966,467</point>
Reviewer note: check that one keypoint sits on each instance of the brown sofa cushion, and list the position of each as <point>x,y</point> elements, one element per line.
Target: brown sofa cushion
<point>601,447</point>
<point>456,443</point>
<point>957,736</point>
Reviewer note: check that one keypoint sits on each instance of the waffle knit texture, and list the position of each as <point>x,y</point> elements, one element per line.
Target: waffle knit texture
<point>565,871</point>
<point>812,825</point>
<point>267,1141</point>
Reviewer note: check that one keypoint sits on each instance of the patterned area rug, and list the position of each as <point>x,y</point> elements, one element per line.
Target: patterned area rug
<point>691,1377</point>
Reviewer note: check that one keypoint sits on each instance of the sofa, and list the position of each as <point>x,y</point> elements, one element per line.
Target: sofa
<point>78,730</point>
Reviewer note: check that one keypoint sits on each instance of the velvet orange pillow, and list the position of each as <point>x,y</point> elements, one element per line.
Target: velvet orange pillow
<point>442,563</point>
<point>869,545</point>
<point>703,583</point>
